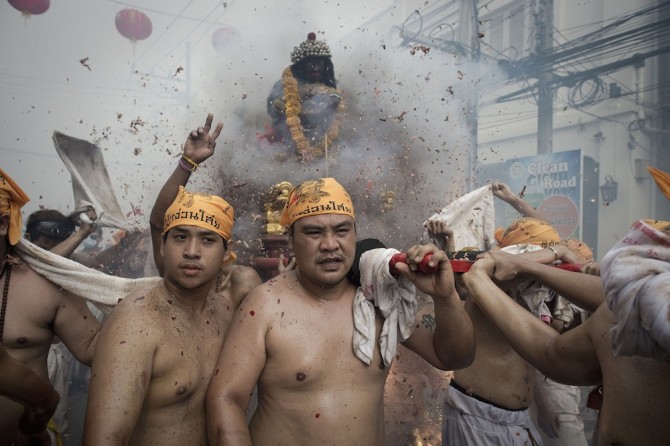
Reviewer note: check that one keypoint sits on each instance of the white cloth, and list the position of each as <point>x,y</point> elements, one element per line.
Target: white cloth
<point>396,300</point>
<point>471,217</point>
<point>636,279</point>
<point>90,180</point>
<point>564,399</point>
<point>531,294</point>
<point>469,421</point>
<point>59,366</point>
<point>101,289</point>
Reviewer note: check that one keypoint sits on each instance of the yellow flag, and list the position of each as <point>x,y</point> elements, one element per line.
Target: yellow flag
<point>662,180</point>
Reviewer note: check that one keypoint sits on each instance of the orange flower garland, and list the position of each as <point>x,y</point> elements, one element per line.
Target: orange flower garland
<point>293,109</point>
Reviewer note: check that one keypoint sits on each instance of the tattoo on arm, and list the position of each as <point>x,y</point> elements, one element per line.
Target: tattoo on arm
<point>428,321</point>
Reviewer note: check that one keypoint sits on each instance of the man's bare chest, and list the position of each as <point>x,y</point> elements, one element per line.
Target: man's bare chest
<point>303,353</point>
<point>184,362</point>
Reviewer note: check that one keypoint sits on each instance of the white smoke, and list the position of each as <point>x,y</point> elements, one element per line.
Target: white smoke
<point>404,141</point>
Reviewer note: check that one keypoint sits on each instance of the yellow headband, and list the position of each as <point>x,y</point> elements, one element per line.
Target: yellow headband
<point>316,197</point>
<point>204,211</point>
<point>12,199</point>
<point>527,230</point>
<point>580,248</point>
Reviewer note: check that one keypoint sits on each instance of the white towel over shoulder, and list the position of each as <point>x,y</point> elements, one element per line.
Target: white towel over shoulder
<point>101,289</point>
<point>636,279</point>
<point>396,300</point>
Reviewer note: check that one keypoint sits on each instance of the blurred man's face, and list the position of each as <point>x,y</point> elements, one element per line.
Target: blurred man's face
<point>49,234</point>
<point>45,242</point>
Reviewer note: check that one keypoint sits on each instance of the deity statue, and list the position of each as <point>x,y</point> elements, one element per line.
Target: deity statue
<point>305,105</point>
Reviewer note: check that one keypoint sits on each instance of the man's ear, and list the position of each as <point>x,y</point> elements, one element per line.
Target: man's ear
<point>162,248</point>
<point>228,251</point>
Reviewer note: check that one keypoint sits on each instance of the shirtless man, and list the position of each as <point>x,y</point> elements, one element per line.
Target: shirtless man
<point>22,385</point>
<point>635,389</point>
<point>293,338</point>
<point>36,310</point>
<point>235,280</point>
<point>158,352</point>
<point>487,402</point>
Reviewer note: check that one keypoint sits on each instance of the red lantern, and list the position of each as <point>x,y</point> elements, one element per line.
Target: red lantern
<point>133,24</point>
<point>29,7</point>
<point>224,38</point>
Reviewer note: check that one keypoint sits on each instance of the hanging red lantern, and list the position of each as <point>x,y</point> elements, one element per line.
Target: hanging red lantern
<point>224,38</point>
<point>133,24</point>
<point>30,7</point>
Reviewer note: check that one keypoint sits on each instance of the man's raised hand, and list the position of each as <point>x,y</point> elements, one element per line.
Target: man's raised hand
<point>200,143</point>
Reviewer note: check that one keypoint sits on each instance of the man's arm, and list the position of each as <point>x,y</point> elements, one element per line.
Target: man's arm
<point>569,358</point>
<point>19,383</point>
<point>76,326</point>
<point>240,364</point>
<point>503,191</point>
<point>67,247</point>
<point>199,146</point>
<point>445,338</point>
<point>109,259</point>
<point>584,290</point>
<point>120,376</point>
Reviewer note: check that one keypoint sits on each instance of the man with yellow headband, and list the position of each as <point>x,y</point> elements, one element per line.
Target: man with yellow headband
<point>487,402</point>
<point>635,387</point>
<point>293,337</point>
<point>32,312</point>
<point>159,347</point>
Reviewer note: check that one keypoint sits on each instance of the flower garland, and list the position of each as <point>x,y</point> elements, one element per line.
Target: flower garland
<point>293,109</point>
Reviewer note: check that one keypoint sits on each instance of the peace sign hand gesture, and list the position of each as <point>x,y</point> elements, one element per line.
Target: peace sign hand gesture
<point>200,143</point>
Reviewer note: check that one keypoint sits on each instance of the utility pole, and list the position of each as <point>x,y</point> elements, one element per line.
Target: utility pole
<point>468,33</point>
<point>544,26</point>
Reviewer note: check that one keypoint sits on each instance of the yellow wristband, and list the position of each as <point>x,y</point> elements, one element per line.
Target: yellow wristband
<point>193,164</point>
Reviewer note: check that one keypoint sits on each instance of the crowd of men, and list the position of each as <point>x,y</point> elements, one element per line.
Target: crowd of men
<point>179,360</point>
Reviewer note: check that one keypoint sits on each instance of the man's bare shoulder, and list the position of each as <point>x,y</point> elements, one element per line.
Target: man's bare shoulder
<point>598,325</point>
<point>36,284</point>
<point>274,291</point>
<point>243,274</point>
<point>237,281</point>
<point>244,277</point>
<point>142,306</point>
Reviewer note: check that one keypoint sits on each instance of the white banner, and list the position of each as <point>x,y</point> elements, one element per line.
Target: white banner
<point>90,180</point>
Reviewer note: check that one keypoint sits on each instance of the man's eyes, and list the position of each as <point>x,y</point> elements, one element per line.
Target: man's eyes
<point>182,237</point>
<point>340,232</point>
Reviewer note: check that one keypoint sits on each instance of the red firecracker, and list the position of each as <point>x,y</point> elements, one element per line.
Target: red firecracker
<point>133,24</point>
<point>30,7</point>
